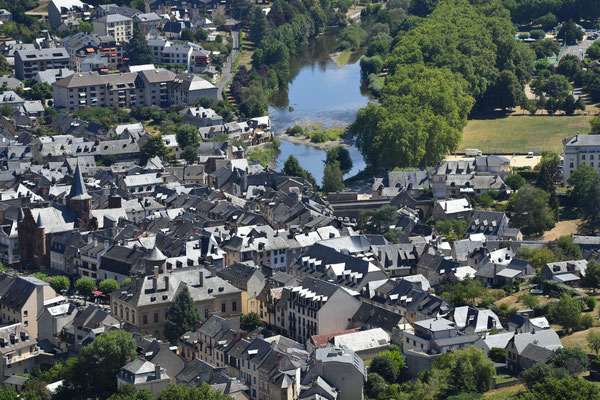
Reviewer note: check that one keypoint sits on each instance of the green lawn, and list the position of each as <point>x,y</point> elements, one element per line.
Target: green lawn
<point>522,133</point>
<point>343,57</point>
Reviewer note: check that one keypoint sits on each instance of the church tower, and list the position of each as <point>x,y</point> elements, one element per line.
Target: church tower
<point>79,201</point>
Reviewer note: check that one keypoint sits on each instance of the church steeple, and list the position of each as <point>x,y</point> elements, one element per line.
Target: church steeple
<point>79,201</point>
<point>78,190</point>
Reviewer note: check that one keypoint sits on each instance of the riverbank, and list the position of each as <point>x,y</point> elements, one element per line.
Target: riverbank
<point>320,146</point>
<point>340,58</point>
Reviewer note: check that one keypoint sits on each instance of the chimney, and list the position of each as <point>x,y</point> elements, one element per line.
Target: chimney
<point>157,371</point>
<point>166,282</point>
<point>201,278</point>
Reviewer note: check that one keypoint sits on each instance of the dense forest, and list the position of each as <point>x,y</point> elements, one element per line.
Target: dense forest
<point>460,59</point>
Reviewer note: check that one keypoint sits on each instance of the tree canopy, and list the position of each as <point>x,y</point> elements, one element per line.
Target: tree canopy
<point>183,316</point>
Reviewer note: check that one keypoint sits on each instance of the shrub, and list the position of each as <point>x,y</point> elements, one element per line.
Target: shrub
<point>586,322</point>
<point>591,302</point>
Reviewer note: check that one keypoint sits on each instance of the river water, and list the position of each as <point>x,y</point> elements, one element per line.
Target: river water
<point>322,94</point>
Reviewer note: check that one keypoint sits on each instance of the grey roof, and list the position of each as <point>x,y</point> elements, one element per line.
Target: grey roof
<point>436,324</point>
<point>545,338</point>
<point>456,340</point>
<point>78,190</point>
<point>155,255</point>
<point>42,54</point>
<point>537,353</point>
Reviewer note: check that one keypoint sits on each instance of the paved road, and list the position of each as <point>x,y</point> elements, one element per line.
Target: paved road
<point>227,68</point>
<point>577,50</point>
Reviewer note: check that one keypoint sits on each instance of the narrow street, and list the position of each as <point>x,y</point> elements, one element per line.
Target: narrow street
<point>227,68</point>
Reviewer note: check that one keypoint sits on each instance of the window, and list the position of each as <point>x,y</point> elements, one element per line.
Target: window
<point>25,313</point>
<point>155,317</point>
<point>223,307</point>
<point>234,306</point>
<point>144,319</point>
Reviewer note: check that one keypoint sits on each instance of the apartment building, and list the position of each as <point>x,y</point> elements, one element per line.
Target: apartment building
<point>18,351</point>
<point>29,62</point>
<point>315,307</point>
<point>60,11</point>
<point>22,300</point>
<point>580,150</point>
<point>117,26</point>
<point>158,87</point>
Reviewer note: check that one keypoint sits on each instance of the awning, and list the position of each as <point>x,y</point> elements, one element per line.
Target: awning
<point>89,50</point>
<point>97,293</point>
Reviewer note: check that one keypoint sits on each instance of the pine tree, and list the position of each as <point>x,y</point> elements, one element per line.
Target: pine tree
<point>333,180</point>
<point>138,50</point>
<point>183,316</point>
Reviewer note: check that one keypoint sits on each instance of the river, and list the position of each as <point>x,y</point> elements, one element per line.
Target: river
<point>323,94</point>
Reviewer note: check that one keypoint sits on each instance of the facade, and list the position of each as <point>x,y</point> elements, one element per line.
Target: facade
<point>580,150</point>
<point>341,368</point>
<point>23,299</point>
<point>157,87</point>
<point>315,307</point>
<point>18,350</point>
<point>60,11</point>
<point>116,26</point>
<point>145,303</point>
<point>143,375</point>
<point>29,62</point>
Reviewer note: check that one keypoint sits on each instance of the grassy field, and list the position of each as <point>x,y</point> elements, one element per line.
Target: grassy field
<point>343,57</point>
<point>522,133</point>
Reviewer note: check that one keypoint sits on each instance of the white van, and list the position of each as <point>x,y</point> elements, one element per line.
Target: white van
<point>473,152</point>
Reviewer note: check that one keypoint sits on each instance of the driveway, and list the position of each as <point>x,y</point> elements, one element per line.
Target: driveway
<point>577,50</point>
<point>227,67</point>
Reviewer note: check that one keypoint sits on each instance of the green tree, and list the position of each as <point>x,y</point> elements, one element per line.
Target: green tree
<point>565,249</point>
<point>259,26</point>
<point>182,392</point>
<point>85,286</point>
<point>590,205</point>
<point>190,154</point>
<point>108,286</point>
<point>595,126</point>
<point>60,284</point>
<point>126,281</point>
<point>104,358</point>
<point>153,147</point>
<point>41,91</point>
<point>566,312</point>
<point>375,385</point>
<point>572,388</point>
<point>379,220</point>
<point>292,167</point>
<point>250,321</point>
<point>200,35</point>
<point>333,180</point>
<point>579,181</point>
<point>593,340</point>
<point>187,34</point>
<point>395,235</point>
<point>341,155</point>
<point>384,366</point>
<point>545,48</point>
<point>540,372</point>
<point>515,181</point>
<point>187,135</point>
<point>547,21</point>
<point>530,210</point>
<point>182,317</point>
<point>40,275</point>
<point>129,392</point>
<point>538,257</point>
<point>497,355</point>
<point>508,92</point>
<point>591,279</point>
<point>573,359</point>
<point>570,33</point>
<point>4,67</point>
<point>591,302</point>
<point>530,300</point>
<point>138,50</point>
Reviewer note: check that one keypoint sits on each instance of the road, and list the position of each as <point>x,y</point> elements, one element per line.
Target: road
<point>227,68</point>
<point>577,50</point>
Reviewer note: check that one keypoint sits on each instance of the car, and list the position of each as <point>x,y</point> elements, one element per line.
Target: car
<point>530,154</point>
